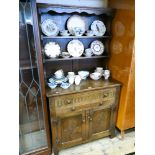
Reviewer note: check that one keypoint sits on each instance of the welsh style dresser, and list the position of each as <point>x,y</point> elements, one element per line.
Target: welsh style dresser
<point>86,111</point>
<point>72,116</point>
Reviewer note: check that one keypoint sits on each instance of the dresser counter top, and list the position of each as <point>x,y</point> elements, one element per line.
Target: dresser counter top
<point>85,85</point>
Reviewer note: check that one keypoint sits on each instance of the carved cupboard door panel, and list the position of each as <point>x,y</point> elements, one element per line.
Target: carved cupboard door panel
<point>99,122</point>
<point>72,129</point>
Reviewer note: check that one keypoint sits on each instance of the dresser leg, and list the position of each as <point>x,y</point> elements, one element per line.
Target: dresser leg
<point>113,133</point>
<point>122,134</point>
<point>56,152</point>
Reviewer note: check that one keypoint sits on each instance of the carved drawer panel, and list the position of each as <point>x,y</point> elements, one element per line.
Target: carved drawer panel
<point>72,102</point>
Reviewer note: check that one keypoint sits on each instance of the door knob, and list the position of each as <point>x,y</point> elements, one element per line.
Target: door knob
<point>68,101</point>
<point>101,103</point>
<point>83,120</point>
<point>73,108</point>
<point>90,119</point>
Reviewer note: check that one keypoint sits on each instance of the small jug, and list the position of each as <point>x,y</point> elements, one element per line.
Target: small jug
<point>77,79</point>
<point>71,79</point>
<point>106,74</point>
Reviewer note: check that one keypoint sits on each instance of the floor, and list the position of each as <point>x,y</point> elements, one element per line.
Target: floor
<point>105,146</point>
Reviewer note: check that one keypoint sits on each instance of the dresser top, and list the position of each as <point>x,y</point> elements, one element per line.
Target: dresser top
<point>85,85</point>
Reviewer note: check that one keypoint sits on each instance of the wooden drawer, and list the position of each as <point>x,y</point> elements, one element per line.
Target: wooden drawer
<point>72,102</point>
<point>71,109</point>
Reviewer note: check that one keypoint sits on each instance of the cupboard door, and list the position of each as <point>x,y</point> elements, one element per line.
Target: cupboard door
<point>99,122</point>
<point>71,129</point>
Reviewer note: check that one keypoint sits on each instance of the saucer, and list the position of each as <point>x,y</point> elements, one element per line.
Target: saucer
<point>65,34</point>
<point>60,81</point>
<point>52,85</point>
<point>65,85</point>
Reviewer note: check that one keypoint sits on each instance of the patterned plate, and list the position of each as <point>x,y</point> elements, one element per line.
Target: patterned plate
<point>98,28</point>
<point>75,23</point>
<point>49,28</point>
<point>52,50</point>
<point>75,48</point>
<point>97,47</point>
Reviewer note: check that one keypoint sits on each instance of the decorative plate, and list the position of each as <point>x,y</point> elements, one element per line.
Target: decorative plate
<point>65,85</point>
<point>75,48</point>
<point>49,28</point>
<point>76,25</point>
<point>52,85</point>
<point>97,47</point>
<point>98,27</point>
<point>52,50</point>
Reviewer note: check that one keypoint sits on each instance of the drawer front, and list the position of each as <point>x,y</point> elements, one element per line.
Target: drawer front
<point>72,102</point>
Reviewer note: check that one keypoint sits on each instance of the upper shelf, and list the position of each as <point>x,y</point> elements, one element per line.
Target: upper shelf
<point>44,8</point>
<point>73,37</point>
<point>75,58</point>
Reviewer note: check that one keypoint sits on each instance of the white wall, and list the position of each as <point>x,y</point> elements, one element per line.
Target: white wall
<point>90,3</point>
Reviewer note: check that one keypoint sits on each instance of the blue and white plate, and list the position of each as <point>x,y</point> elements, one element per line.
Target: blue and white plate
<point>51,80</point>
<point>58,81</point>
<point>65,85</point>
<point>52,85</point>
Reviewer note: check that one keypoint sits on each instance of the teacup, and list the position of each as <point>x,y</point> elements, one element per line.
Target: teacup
<point>99,70</point>
<point>65,54</point>
<point>83,74</point>
<point>59,73</point>
<point>88,52</point>
<point>95,76</point>
<point>90,33</point>
<point>77,31</point>
<point>64,33</point>
<point>52,85</point>
<point>71,73</point>
<point>65,85</point>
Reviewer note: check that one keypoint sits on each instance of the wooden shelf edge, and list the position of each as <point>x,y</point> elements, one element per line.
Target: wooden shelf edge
<point>75,37</point>
<point>75,58</point>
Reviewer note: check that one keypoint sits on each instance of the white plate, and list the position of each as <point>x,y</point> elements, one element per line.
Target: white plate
<point>98,28</point>
<point>97,47</point>
<point>75,48</point>
<point>76,22</point>
<point>49,27</point>
<point>52,50</point>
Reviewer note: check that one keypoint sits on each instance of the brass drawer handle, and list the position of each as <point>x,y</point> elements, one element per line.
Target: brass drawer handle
<point>68,102</point>
<point>73,109</point>
<point>90,119</point>
<point>101,103</point>
<point>83,120</point>
<point>105,95</point>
